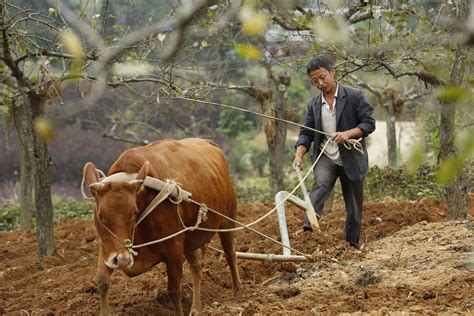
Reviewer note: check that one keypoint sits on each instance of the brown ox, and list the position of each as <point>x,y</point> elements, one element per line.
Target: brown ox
<point>200,167</point>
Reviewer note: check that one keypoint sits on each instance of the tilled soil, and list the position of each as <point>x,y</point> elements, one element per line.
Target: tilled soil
<point>413,261</point>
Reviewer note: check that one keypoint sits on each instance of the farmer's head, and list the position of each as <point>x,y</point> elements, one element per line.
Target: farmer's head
<point>321,71</point>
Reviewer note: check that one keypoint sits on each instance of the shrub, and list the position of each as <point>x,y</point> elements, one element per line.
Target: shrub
<point>379,183</point>
<point>400,185</point>
<point>63,208</point>
<point>9,214</point>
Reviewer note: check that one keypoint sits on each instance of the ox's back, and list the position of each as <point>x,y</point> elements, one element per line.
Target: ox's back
<point>198,165</point>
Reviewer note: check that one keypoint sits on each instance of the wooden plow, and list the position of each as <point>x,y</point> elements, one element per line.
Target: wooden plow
<point>304,205</point>
<point>280,197</point>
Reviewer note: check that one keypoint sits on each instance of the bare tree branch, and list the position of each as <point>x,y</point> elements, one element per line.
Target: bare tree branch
<point>104,18</point>
<point>365,85</point>
<point>45,52</point>
<point>125,140</point>
<point>7,56</point>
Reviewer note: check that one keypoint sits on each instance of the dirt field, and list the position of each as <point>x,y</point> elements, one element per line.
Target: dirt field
<point>413,261</point>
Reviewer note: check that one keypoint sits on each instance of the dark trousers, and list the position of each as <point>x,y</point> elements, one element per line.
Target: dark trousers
<point>325,174</point>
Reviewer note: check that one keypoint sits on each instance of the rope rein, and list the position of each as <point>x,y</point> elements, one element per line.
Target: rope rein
<point>166,192</point>
<point>202,216</point>
<point>349,144</point>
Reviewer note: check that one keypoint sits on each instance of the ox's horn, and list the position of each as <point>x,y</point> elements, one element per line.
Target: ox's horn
<point>96,186</point>
<point>140,182</point>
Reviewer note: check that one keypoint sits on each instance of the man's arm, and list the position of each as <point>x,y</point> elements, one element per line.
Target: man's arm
<point>364,115</point>
<point>366,124</point>
<point>300,152</point>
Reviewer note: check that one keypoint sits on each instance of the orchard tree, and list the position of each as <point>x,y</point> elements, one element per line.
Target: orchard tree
<point>39,51</point>
<point>398,40</point>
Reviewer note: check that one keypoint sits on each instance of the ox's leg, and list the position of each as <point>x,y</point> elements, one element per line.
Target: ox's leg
<point>103,279</point>
<point>227,243</point>
<point>196,271</point>
<point>174,269</point>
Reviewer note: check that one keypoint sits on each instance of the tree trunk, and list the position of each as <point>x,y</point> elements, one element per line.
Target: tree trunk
<point>23,120</point>
<point>391,135</point>
<point>275,131</point>
<point>456,192</point>
<point>34,109</point>
<point>44,204</point>
<point>390,119</point>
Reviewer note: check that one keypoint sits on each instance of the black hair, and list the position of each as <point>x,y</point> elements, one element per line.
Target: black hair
<point>319,62</point>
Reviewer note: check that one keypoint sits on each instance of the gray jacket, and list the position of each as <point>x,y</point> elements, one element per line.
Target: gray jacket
<point>352,110</point>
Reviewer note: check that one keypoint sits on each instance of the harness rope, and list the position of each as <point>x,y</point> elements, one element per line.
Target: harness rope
<point>202,216</point>
<point>166,192</point>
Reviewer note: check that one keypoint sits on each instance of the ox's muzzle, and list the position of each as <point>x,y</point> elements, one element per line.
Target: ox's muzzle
<point>120,260</point>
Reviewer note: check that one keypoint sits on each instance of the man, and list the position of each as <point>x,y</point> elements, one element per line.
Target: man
<point>344,113</point>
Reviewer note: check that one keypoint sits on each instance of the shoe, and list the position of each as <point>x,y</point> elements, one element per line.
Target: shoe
<point>306,225</point>
<point>357,246</point>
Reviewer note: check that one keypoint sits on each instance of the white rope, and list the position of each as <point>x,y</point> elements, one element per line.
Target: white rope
<point>161,240</point>
<point>160,197</point>
<point>203,209</point>
<point>84,195</point>
<point>243,226</point>
<point>350,143</point>
<point>83,182</point>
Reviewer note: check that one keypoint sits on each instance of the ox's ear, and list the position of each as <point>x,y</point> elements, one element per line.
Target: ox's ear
<point>143,171</point>
<point>91,176</point>
<point>90,173</point>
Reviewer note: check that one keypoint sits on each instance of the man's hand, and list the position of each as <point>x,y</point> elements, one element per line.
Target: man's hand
<point>341,137</point>
<point>297,163</point>
<point>300,152</point>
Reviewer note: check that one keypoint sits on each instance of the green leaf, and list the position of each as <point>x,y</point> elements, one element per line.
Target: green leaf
<point>449,169</point>
<point>248,51</point>
<point>331,30</point>
<point>452,94</point>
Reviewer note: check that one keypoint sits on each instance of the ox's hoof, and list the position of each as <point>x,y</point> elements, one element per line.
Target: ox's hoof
<point>237,288</point>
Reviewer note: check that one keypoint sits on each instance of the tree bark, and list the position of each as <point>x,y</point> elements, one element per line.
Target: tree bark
<point>44,204</point>
<point>391,131</point>
<point>22,118</point>
<point>273,103</point>
<point>387,100</point>
<point>275,131</point>
<point>455,192</point>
